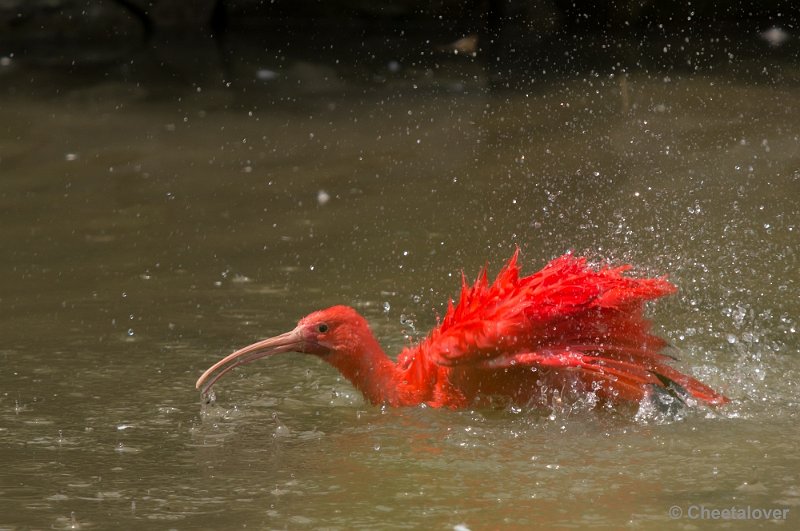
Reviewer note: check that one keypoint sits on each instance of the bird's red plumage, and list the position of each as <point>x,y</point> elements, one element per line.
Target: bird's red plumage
<point>507,337</point>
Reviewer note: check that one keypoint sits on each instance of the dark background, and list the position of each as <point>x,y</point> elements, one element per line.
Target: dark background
<point>214,42</point>
<point>509,25</point>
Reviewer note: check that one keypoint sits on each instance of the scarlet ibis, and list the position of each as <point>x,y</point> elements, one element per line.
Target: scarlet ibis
<point>517,339</point>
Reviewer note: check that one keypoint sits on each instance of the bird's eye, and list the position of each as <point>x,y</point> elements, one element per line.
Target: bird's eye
<point>322,328</point>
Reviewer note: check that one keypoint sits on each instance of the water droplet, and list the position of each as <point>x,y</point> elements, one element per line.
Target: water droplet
<point>264,74</point>
<point>281,430</point>
<point>407,321</point>
<point>775,36</point>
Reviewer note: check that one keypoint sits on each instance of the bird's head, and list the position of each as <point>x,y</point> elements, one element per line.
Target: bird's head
<point>329,334</point>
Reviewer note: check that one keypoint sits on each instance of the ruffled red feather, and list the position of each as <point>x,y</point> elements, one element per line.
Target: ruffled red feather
<point>568,316</point>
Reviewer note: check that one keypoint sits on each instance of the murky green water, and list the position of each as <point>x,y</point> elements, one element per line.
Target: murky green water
<point>150,226</point>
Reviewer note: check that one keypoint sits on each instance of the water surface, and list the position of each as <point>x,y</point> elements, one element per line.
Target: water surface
<point>151,224</point>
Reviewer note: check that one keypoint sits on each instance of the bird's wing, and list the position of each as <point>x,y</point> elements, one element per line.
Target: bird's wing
<point>568,315</point>
<point>566,303</point>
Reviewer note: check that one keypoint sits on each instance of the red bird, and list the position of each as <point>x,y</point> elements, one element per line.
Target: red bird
<point>519,339</point>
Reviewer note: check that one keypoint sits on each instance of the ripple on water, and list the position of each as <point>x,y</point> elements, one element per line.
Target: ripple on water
<point>121,448</point>
<point>71,522</point>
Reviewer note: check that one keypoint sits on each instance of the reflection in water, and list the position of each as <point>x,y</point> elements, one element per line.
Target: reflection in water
<point>149,227</point>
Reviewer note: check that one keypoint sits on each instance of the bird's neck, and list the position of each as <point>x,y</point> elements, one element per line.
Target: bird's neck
<point>369,369</point>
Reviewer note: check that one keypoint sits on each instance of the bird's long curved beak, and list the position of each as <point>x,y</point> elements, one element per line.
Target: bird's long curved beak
<point>289,342</point>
